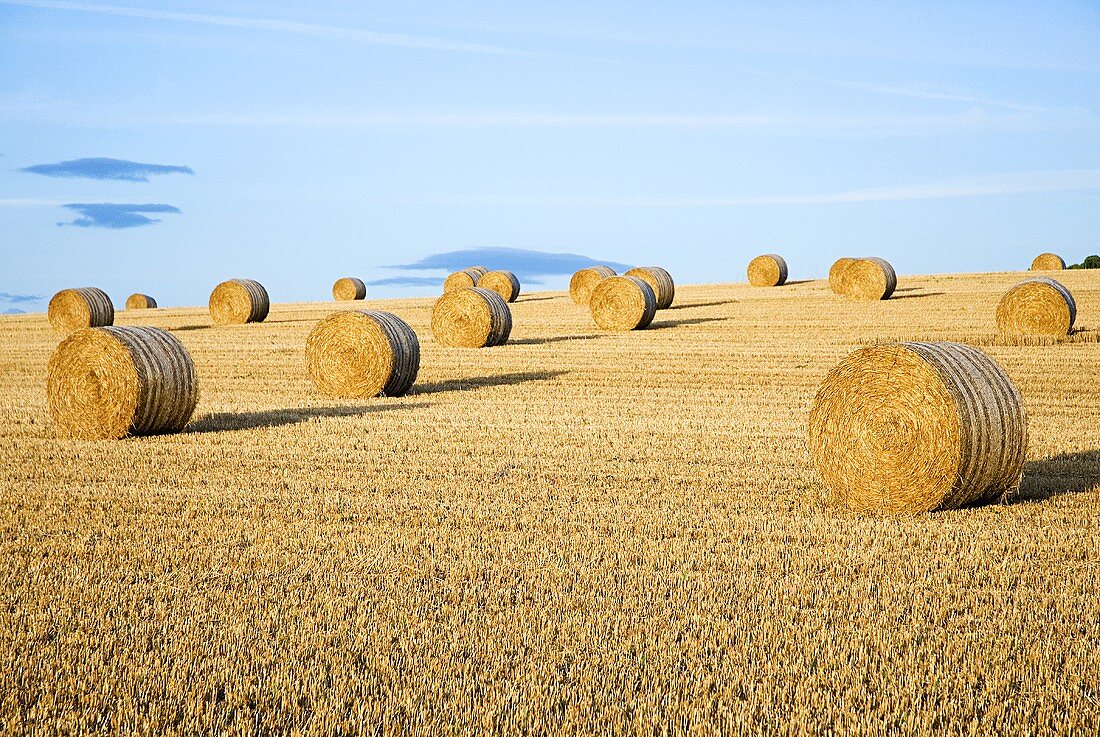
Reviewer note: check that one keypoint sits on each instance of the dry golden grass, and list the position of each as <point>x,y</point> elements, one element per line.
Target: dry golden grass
<point>574,532</point>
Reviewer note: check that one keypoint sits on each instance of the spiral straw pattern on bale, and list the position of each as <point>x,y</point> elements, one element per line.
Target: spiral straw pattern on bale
<point>464,279</point>
<point>836,274</point>
<point>660,281</point>
<point>584,281</point>
<point>361,354</point>
<point>623,303</point>
<point>85,307</point>
<point>1037,306</point>
<point>114,381</point>
<point>140,301</point>
<point>912,427</point>
<point>238,301</point>
<point>867,279</point>
<point>503,283</point>
<point>769,270</point>
<point>1048,262</point>
<point>348,289</point>
<point>471,318</point>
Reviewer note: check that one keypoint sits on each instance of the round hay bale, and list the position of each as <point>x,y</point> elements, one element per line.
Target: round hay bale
<point>85,307</point>
<point>481,270</point>
<point>623,303</point>
<point>503,283</point>
<point>1048,262</point>
<point>359,354</point>
<point>868,279</point>
<point>348,289</point>
<point>911,427</point>
<point>769,270</point>
<point>138,301</point>
<point>660,281</point>
<point>238,301</point>
<point>1038,306</point>
<point>115,381</point>
<point>471,318</point>
<point>836,274</point>
<point>465,279</point>
<point>584,281</point>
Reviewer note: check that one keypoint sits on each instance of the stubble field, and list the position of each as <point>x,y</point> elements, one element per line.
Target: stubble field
<point>574,532</point>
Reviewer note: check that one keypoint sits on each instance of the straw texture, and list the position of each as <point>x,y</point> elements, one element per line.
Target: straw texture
<point>238,301</point>
<point>769,270</point>
<point>503,283</point>
<point>115,381</point>
<point>836,274</point>
<point>1037,306</point>
<point>1048,262</point>
<point>471,318</point>
<point>85,307</point>
<point>912,427</point>
<point>867,279</point>
<point>361,354</point>
<point>660,281</point>
<point>140,301</point>
<point>348,289</point>
<point>623,303</point>
<point>584,281</point>
<point>464,279</point>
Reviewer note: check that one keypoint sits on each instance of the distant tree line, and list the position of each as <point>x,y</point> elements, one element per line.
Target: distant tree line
<point>1090,262</point>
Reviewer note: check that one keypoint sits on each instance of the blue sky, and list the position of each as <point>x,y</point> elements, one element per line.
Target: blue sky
<point>296,143</point>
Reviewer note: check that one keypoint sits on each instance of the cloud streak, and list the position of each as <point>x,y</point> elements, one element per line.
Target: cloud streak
<point>115,216</point>
<point>14,299</point>
<point>106,169</point>
<point>359,35</point>
<point>527,264</point>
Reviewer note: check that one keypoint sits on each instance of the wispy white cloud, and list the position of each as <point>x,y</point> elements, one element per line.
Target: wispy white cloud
<point>359,35</point>
<point>920,94</point>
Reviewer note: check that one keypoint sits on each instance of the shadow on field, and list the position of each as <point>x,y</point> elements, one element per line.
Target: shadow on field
<point>798,281</point>
<point>702,304</point>
<point>301,319</point>
<point>189,327</point>
<point>916,296</point>
<point>478,382</point>
<point>534,299</point>
<point>553,339</point>
<point>1066,473</point>
<point>689,321</point>
<point>228,421</point>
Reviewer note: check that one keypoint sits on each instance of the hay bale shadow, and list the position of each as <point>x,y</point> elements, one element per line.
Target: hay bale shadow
<point>479,382</point>
<point>689,321</point>
<point>533,299</point>
<point>183,328</point>
<point>552,339</point>
<point>916,296</point>
<point>702,304</point>
<point>1066,473</point>
<point>229,421</point>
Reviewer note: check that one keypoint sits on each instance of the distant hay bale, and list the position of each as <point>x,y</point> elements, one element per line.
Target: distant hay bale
<point>769,270</point>
<point>503,283</point>
<point>140,301</point>
<point>359,354</point>
<point>912,427</point>
<point>1048,262</point>
<point>464,279</point>
<point>348,289</point>
<point>585,280</point>
<point>867,279</point>
<point>623,303</point>
<point>238,301</point>
<point>471,318</point>
<point>85,307</point>
<point>1037,306</point>
<point>660,281</point>
<point>114,381</point>
<point>836,274</point>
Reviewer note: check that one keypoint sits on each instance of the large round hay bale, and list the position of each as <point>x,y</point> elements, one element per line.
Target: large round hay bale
<point>238,301</point>
<point>464,279</point>
<point>1048,262</point>
<point>868,279</point>
<point>115,381</point>
<point>360,354</point>
<point>85,307</point>
<point>503,283</point>
<point>1038,306</point>
<point>836,274</point>
<point>584,281</point>
<point>349,288</point>
<point>471,318</point>
<point>139,301</point>
<point>769,270</point>
<point>623,303</point>
<point>660,281</point>
<point>911,427</point>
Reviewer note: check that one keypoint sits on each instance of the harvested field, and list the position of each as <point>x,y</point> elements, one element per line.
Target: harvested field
<point>574,531</point>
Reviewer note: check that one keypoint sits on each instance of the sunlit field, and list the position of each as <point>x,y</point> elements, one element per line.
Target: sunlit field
<point>573,532</point>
